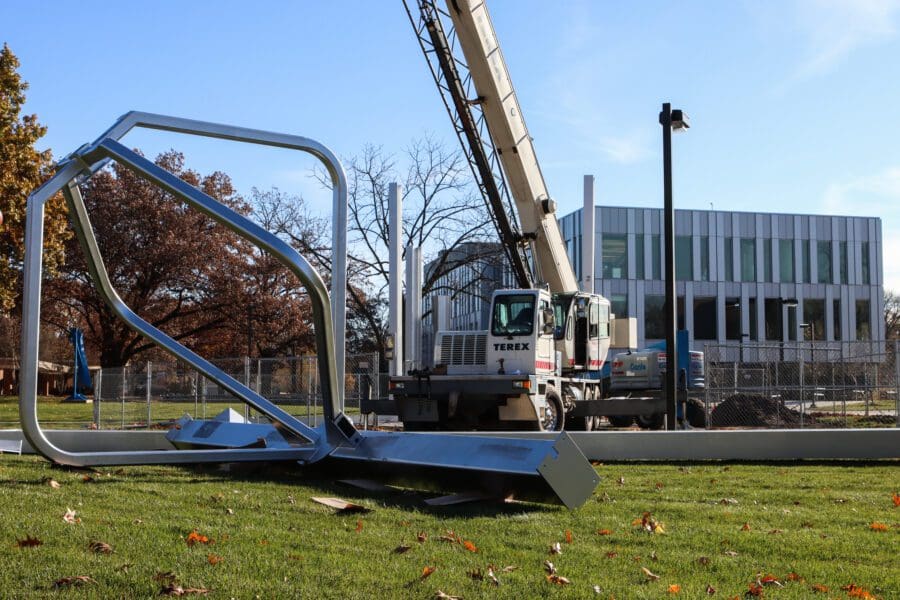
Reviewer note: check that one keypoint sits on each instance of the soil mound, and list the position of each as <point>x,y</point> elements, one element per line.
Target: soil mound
<point>750,410</point>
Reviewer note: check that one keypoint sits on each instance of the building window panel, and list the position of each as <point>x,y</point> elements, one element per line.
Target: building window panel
<point>748,259</point>
<point>842,247</point>
<point>705,323</point>
<point>684,258</point>
<point>732,318</point>
<point>772,311</point>
<point>836,318</point>
<point>866,279</point>
<point>786,260</point>
<point>823,256</point>
<point>807,273</point>
<point>729,259</point>
<point>615,256</point>
<point>753,320</point>
<point>618,303</point>
<point>655,259</point>
<point>639,256</point>
<point>863,323</point>
<point>814,319</point>
<point>767,259</point>
<point>654,317</point>
<point>704,259</point>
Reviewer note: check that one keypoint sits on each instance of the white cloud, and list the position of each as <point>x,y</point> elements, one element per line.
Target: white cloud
<point>876,195</point>
<point>835,28</point>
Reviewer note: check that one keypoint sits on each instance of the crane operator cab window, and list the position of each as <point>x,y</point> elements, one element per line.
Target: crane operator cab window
<point>513,315</point>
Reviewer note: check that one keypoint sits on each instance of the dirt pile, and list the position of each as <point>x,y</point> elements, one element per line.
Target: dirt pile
<point>749,410</point>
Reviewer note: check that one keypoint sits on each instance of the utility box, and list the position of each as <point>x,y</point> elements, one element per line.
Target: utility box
<point>623,333</point>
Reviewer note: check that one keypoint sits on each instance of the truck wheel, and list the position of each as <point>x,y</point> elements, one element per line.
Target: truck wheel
<point>654,421</point>
<point>620,420</point>
<point>553,417</point>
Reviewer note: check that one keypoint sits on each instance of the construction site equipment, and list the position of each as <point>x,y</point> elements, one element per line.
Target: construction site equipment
<point>519,466</point>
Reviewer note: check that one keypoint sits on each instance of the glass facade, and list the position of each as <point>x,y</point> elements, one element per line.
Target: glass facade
<point>615,256</point>
<point>732,318</point>
<point>807,275</point>
<point>705,323</point>
<point>639,256</point>
<point>748,259</point>
<point>814,319</point>
<point>836,318</point>
<point>866,277</point>
<point>863,322</point>
<point>786,261</point>
<point>654,317</point>
<point>618,304</point>
<point>767,260</point>
<point>823,258</point>
<point>704,258</point>
<point>684,258</point>
<point>655,259</point>
<point>729,259</point>
<point>842,247</point>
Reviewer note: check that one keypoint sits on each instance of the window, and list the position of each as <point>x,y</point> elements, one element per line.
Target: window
<point>705,325</point>
<point>836,318</point>
<point>594,321</point>
<point>615,256</point>
<point>732,318</point>
<point>684,258</point>
<point>729,259</point>
<point>863,324</point>
<point>865,264</point>
<point>842,247</point>
<point>704,258</point>
<point>772,311</point>
<point>823,256</point>
<point>513,315</point>
<point>753,321</point>
<point>679,312</point>
<point>786,260</point>
<point>792,323</point>
<point>748,259</point>
<point>807,275</point>
<point>604,321</point>
<point>814,318</point>
<point>767,259</point>
<point>619,305</point>
<point>638,256</point>
<point>654,317</point>
<point>655,260</point>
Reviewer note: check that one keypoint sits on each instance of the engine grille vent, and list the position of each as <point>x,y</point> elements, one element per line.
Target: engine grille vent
<point>462,349</point>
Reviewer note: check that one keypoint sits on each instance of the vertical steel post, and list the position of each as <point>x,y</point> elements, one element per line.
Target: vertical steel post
<point>247,383</point>
<point>896,384</point>
<point>665,119</point>
<point>395,276</point>
<point>149,380</point>
<point>124,376</point>
<point>98,396</point>
<point>587,237</point>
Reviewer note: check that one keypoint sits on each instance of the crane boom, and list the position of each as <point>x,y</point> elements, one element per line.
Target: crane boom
<point>506,124</point>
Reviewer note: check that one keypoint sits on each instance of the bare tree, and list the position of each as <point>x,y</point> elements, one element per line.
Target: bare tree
<point>891,315</point>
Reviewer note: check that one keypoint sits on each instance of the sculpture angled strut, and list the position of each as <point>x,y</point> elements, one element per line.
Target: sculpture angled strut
<point>511,465</point>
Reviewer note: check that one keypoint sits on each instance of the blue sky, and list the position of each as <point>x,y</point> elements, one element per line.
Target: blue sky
<point>794,104</point>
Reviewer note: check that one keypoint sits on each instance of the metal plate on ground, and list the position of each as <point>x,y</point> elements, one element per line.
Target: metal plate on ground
<point>569,473</point>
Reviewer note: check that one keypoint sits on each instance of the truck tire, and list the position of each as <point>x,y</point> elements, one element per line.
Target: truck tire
<point>554,419</point>
<point>620,420</point>
<point>654,421</point>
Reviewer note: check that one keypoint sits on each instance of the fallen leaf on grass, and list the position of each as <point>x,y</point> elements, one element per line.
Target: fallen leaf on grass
<point>556,548</point>
<point>173,589</point>
<point>728,501</point>
<point>649,524</point>
<point>359,525</point>
<point>401,549</point>
<point>854,591</point>
<point>710,590</point>
<point>87,479</point>
<point>165,577</point>
<point>597,589</point>
<point>100,548</point>
<point>621,481</point>
<point>768,579</point>
<point>451,537</point>
<point>492,578</point>
<point>745,527</point>
<point>896,498</point>
<point>439,595</point>
<point>819,588</point>
<point>469,546</point>
<point>70,517</point>
<point>703,560</point>
<point>876,526</point>
<point>422,537</point>
<point>77,580</point>
<point>604,532</point>
<point>509,569</point>
<point>124,568</point>
<point>558,579</point>
<point>194,537</point>
<point>54,484</point>
<point>775,532</point>
<point>568,536</point>
<point>549,567</point>
<point>793,577</point>
<point>214,559</point>
<point>754,590</point>
<point>229,511</point>
<point>674,588</point>
<point>612,554</point>
<point>653,556</point>
<point>28,542</point>
<point>649,574</point>
<point>426,573</point>
<point>731,553</point>
<point>263,542</point>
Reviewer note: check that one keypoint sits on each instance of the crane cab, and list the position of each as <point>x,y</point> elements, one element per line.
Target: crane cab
<point>582,331</point>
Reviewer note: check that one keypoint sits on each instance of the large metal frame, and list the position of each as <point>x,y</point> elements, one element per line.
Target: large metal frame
<point>551,468</point>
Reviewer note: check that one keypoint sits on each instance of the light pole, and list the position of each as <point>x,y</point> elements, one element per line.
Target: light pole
<point>678,121</point>
<point>786,303</point>
<point>811,328</point>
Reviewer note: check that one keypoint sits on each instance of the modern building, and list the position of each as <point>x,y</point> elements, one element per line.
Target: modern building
<point>738,273</point>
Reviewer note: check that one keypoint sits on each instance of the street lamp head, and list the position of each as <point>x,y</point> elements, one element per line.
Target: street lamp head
<point>790,302</point>
<point>680,121</point>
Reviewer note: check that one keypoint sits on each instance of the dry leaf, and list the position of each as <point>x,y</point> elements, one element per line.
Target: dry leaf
<point>263,542</point>
<point>793,577</point>
<point>597,589</point>
<point>604,532</point>
<point>650,575</point>
<point>508,569</point>
<point>896,498</point>
<point>492,578</point>
<point>703,560</point>
<point>229,511</point>
<point>876,526</point>
<point>854,591</point>
<point>173,589</point>
<point>768,579</point>
<point>476,574</point>
<point>165,577</point>
<point>214,559</point>
<point>728,501</point>
<point>612,554</point>
<point>426,573</point>
<point>558,580</point>
<point>359,525</point>
<point>755,589</point>
<point>422,537</point>
<point>621,481</point>
<point>77,580</point>
<point>196,538</point>
<point>70,517</point>
<point>401,549</point>
<point>674,588</point>
<point>124,568</point>
<point>649,524</point>
<point>745,527</point>
<point>556,548</point>
<point>549,567</point>
<point>439,595</point>
<point>87,479</point>
<point>775,532</point>
<point>710,590</point>
<point>659,485</point>
<point>653,556</point>
<point>28,542</point>
<point>451,537</point>
<point>54,484</point>
<point>100,547</point>
<point>469,546</point>
<point>568,536</point>
<point>818,587</point>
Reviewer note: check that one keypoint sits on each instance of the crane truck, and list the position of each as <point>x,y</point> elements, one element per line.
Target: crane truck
<point>541,363</point>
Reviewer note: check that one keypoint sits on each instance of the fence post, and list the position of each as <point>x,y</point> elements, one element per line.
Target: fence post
<point>802,356</point>
<point>247,383</point>
<point>706,384</point>
<point>203,394</point>
<point>98,386</point>
<point>896,384</point>
<point>149,380</point>
<point>123,396</point>
<point>196,390</point>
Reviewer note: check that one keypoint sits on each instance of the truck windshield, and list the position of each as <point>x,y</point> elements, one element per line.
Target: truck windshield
<point>513,315</point>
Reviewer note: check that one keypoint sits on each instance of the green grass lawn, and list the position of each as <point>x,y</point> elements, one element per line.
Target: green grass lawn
<point>269,540</point>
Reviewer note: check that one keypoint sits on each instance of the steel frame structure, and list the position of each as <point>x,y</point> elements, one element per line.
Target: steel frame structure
<point>549,468</point>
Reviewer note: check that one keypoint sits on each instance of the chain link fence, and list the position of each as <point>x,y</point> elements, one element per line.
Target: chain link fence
<point>153,394</point>
<point>802,385</point>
